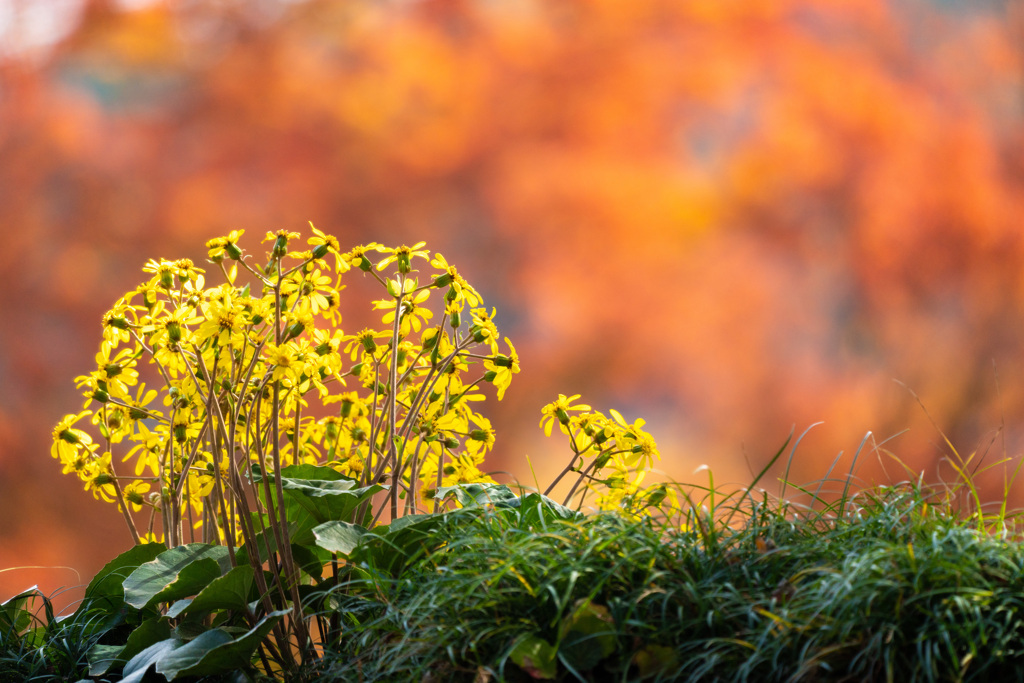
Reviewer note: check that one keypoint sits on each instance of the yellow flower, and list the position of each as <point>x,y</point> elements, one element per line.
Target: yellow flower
<point>403,255</point>
<point>558,411</point>
<point>502,367</point>
<point>364,341</point>
<point>164,272</point>
<point>322,244</point>
<point>68,441</point>
<point>135,494</point>
<point>280,240</point>
<point>484,330</point>
<point>413,314</point>
<point>284,360</point>
<point>219,247</point>
<point>356,258</point>
<point>117,325</point>
<point>99,478</point>
<point>458,289</point>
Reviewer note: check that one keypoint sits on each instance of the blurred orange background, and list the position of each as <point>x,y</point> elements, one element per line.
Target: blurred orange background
<point>730,218</point>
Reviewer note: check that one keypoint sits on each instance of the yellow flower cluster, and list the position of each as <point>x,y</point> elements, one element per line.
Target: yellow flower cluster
<point>261,373</point>
<point>611,456</point>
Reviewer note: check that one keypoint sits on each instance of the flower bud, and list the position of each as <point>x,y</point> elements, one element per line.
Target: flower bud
<point>403,263</point>
<point>451,443</point>
<point>232,250</point>
<point>443,280</point>
<point>103,479</point>
<point>455,318</point>
<point>479,435</point>
<point>320,251</point>
<point>490,375</point>
<point>502,361</point>
<point>369,344</point>
<point>174,332</point>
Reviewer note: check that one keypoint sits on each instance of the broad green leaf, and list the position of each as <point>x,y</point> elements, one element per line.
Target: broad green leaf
<point>102,658</point>
<point>216,651</point>
<point>14,615</point>
<point>390,548</point>
<point>338,537</point>
<point>314,495</point>
<point>587,635</point>
<point>479,494</point>
<point>311,559</point>
<point>230,591</point>
<point>535,656</point>
<point>105,589</point>
<point>534,508</point>
<point>176,573</point>
<point>136,668</point>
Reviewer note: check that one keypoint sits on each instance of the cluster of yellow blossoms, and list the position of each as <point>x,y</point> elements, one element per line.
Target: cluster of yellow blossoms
<point>260,373</point>
<point>610,456</point>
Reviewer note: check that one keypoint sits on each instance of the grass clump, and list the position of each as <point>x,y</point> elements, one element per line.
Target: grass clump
<point>898,589</point>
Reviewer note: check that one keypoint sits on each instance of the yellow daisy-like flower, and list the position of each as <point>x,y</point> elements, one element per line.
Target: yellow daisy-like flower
<point>458,289</point>
<point>502,367</point>
<point>68,441</point>
<point>135,494</point>
<point>284,360</point>
<point>323,244</point>
<point>356,258</point>
<point>403,255</point>
<point>219,247</point>
<point>117,325</point>
<point>413,314</point>
<point>558,411</point>
<point>164,272</point>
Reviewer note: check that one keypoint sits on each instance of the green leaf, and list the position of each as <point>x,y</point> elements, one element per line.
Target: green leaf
<point>535,656</point>
<point>314,495</point>
<point>655,659</point>
<point>587,635</point>
<point>534,508</point>
<point>14,615</point>
<point>136,668</point>
<point>338,537</point>
<point>231,591</point>
<point>105,589</point>
<point>176,573</point>
<point>311,559</point>
<point>102,658</point>
<point>216,651</point>
<point>479,494</point>
<point>390,548</point>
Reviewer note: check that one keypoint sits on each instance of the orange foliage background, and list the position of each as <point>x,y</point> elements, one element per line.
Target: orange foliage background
<point>727,217</point>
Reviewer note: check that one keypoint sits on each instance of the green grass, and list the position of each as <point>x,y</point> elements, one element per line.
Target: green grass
<point>897,588</point>
<point>887,584</point>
